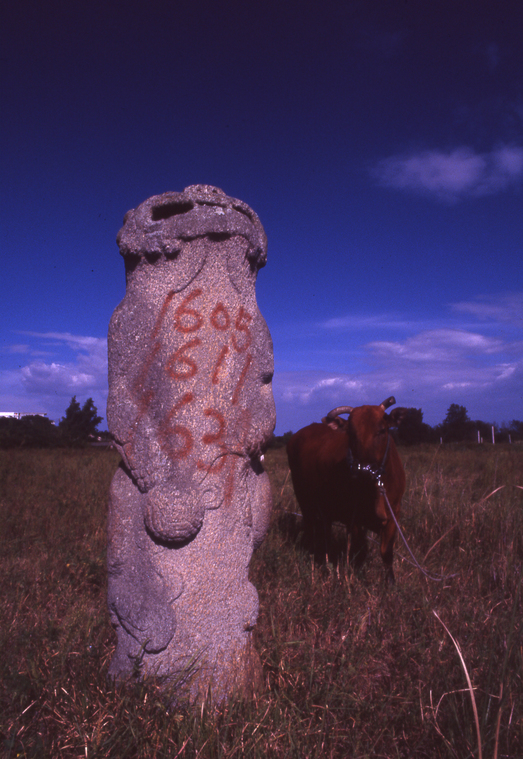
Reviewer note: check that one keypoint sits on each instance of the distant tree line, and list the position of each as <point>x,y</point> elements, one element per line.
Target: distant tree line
<point>457,427</point>
<point>78,428</point>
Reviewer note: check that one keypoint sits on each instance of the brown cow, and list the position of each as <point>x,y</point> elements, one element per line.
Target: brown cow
<point>339,472</point>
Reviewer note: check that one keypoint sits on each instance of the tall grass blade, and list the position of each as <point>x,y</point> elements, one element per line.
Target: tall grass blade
<point>469,684</point>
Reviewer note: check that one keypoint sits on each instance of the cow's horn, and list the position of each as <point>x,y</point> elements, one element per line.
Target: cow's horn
<point>389,402</point>
<point>339,410</point>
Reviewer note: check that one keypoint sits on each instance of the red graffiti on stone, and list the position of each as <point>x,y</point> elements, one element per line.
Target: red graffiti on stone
<point>180,357</point>
<point>242,321</point>
<point>176,439</point>
<point>187,319</point>
<point>221,358</point>
<point>220,318</point>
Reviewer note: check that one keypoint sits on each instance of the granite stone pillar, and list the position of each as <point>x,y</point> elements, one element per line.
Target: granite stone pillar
<point>191,409</point>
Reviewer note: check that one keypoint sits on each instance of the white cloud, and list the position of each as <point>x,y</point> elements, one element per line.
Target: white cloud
<point>17,348</point>
<point>39,377</point>
<point>47,386</point>
<point>354,322</point>
<point>440,360</point>
<point>505,308</point>
<point>453,175</point>
<point>437,345</point>
<point>429,369</point>
<point>311,387</point>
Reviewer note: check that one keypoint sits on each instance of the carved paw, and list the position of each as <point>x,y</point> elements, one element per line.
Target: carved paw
<point>173,514</point>
<point>144,608</point>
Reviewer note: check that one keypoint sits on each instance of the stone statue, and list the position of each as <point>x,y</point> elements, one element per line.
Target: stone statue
<point>190,407</point>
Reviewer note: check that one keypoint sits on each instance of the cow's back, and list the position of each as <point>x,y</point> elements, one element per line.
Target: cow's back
<point>317,457</point>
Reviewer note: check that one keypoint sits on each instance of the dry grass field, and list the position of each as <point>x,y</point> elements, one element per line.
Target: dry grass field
<point>352,668</point>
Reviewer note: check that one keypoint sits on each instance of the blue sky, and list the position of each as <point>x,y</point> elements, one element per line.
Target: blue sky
<point>380,143</point>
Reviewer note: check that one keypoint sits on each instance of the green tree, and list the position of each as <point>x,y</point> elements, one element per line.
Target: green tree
<point>29,432</point>
<point>516,429</point>
<point>413,430</point>
<point>79,423</point>
<point>484,429</point>
<point>279,441</point>
<point>456,426</point>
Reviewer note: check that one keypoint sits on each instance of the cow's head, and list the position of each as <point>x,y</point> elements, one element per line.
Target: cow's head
<point>367,428</point>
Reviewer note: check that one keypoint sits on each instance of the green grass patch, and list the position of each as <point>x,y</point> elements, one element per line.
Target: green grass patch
<point>352,668</point>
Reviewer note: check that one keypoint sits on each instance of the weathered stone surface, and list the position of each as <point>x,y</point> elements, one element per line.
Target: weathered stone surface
<point>190,406</point>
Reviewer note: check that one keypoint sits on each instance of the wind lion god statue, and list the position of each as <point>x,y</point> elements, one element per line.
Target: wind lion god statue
<point>191,409</point>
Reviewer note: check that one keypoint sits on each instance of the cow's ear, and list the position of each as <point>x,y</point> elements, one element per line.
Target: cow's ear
<point>395,417</point>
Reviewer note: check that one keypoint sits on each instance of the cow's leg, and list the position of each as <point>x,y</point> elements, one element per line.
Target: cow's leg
<point>358,546</point>
<point>327,546</point>
<point>322,540</point>
<point>308,530</point>
<point>388,533</point>
<point>314,534</point>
